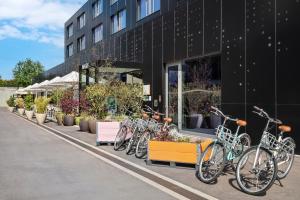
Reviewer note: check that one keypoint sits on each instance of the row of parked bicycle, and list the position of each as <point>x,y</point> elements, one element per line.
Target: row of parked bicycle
<point>256,167</point>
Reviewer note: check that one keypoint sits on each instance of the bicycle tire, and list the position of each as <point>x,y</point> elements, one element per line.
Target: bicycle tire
<point>241,162</point>
<point>201,164</point>
<point>122,135</point>
<point>281,176</point>
<point>143,140</point>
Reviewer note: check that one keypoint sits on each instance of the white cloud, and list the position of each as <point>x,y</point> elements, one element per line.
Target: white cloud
<point>39,20</point>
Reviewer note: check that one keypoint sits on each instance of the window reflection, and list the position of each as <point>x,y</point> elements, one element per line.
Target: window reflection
<point>201,89</point>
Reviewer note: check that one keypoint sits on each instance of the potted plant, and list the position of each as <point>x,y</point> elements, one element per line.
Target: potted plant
<point>96,95</point>
<point>28,106</point>
<point>84,117</point>
<point>59,118</point>
<point>84,122</point>
<point>69,107</point>
<point>11,103</point>
<point>20,105</point>
<point>41,104</point>
<point>176,148</point>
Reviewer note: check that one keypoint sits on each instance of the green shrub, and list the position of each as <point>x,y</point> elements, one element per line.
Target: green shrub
<point>29,101</point>
<point>41,104</point>
<point>56,97</point>
<point>20,102</point>
<point>96,95</point>
<point>11,101</point>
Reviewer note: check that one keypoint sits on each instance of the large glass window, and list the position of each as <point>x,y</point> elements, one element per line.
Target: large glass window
<point>97,8</point>
<point>118,21</point>
<point>70,49</point>
<point>81,43</point>
<point>70,30</point>
<point>147,7</point>
<point>201,89</point>
<point>98,33</point>
<point>81,21</point>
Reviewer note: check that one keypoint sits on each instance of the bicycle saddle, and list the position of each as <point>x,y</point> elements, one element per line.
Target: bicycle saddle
<point>156,117</point>
<point>168,119</point>
<point>145,116</point>
<point>284,128</point>
<point>241,123</point>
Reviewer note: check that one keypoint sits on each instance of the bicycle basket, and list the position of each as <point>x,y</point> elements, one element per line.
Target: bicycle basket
<point>269,141</point>
<point>288,146</point>
<point>224,135</point>
<point>153,126</point>
<point>142,124</point>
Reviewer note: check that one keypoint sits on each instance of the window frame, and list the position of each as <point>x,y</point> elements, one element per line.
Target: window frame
<point>79,20</point>
<point>81,43</point>
<point>94,33</point>
<point>68,30</point>
<point>119,18</point>
<point>68,49</point>
<point>149,6</point>
<point>97,5</point>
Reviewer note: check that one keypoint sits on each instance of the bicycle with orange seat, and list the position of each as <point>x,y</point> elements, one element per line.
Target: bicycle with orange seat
<point>222,151</point>
<point>272,159</point>
<point>154,128</point>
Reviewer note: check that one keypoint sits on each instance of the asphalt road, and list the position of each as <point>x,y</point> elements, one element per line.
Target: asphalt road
<point>37,165</point>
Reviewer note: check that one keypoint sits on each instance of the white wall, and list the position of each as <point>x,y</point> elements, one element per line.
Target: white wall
<point>5,93</point>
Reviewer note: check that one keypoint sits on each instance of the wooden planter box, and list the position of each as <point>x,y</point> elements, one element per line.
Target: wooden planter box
<point>176,152</point>
<point>106,132</point>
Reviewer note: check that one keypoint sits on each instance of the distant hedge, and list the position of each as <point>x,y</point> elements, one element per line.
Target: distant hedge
<point>8,83</point>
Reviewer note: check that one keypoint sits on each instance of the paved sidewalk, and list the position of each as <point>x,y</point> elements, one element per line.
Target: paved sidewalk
<point>226,188</point>
<point>35,165</point>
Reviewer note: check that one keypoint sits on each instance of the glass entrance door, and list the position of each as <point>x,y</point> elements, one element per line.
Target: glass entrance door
<point>173,93</point>
<point>192,88</point>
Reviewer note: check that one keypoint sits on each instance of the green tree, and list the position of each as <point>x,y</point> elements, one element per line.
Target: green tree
<point>25,71</point>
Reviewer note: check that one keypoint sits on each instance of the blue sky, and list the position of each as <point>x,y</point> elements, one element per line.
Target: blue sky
<point>33,29</point>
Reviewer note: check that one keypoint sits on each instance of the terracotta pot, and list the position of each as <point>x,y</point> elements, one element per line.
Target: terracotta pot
<point>84,125</point>
<point>29,114</point>
<point>69,120</point>
<point>92,126</point>
<point>11,109</point>
<point>21,111</point>
<point>40,118</point>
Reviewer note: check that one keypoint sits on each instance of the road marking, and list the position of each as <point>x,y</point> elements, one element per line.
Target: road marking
<point>131,172</point>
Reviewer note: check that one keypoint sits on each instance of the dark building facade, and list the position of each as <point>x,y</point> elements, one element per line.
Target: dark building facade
<point>236,53</point>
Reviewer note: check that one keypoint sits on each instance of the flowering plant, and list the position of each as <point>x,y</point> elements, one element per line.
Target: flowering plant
<point>68,104</point>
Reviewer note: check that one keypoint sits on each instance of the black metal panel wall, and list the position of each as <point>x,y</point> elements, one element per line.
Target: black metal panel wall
<point>181,30</point>
<point>212,26</point>
<point>195,28</point>
<point>257,41</point>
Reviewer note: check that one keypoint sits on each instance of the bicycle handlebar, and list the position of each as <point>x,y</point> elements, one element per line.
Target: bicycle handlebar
<point>264,114</point>
<point>219,112</point>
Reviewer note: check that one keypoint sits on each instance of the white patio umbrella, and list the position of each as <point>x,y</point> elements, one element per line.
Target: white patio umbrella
<point>34,88</point>
<point>42,86</point>
<point>20,91</point>
<point>71,78</point>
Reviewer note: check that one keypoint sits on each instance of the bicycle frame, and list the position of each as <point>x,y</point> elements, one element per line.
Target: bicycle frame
<point>229,150</point>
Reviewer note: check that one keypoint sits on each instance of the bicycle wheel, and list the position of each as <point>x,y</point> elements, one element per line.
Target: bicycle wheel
<point>244,144</point>
<point>285,158</point>
<point>142,145</point>
<point>120,138</point>
<point>256,180</point>
<point>212,162</point>
<point>131,141</point>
